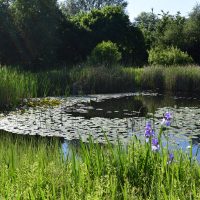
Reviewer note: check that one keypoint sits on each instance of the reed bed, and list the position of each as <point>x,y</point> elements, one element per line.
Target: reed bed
<point>16,85</point>
<point>102,80</point>
<point>37,168</point>
<point>172,79</point>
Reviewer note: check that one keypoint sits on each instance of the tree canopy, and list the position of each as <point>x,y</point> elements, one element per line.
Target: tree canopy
<point>72,7</point>
<point>36,34</point>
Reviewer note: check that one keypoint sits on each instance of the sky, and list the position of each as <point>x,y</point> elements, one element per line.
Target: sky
<point>135,7</point>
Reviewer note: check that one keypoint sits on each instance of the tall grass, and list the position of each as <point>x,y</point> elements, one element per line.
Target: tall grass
<point>37,169</point>
<point>16,85</point>
<point>164,79</point>
<point>101,80</point>
<point>172,79</point>
<point>53,83</point>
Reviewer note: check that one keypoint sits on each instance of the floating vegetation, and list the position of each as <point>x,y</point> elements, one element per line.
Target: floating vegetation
<point>43,102</point>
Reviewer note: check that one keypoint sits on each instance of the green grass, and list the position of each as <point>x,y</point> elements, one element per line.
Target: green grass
<point>164,79</point>
<point>172,79</point>
<point>102,80</point>
<point>16,85</point>
<point>35,168</point>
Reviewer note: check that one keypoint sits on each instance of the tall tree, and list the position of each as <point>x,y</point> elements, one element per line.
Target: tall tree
<point>170,30</point>
<point>192,34</point>
<point>147,23</point>
<point>9,41</point>
<point>38,23</point>
<point>112,23</point>
<point>72,7</point>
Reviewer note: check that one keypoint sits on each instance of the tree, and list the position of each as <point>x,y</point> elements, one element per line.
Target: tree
<point>75,46</point>
<point>9,41</point>
<point>147,23</point>
<point>162,29</point>
<point>192,33</point>
<point>171,30</point>
<point>112,23</point>
<point>72,7</point>
<point>38,23</point>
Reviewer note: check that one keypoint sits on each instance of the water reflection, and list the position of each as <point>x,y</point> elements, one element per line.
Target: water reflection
<point>137,105</point>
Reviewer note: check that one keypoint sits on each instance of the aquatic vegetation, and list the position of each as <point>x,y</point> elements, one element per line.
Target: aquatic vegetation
<point>15,86</point>
<point>43,102</point>
<point>171,79</point>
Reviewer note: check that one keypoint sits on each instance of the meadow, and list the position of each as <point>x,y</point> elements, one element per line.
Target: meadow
<point>37,168</point>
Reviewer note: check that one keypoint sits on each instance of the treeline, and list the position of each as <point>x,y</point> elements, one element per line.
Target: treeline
<point>162,31</point>
<point>39,34</point>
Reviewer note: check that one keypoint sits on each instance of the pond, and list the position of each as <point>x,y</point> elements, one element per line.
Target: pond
<point>118,116</point>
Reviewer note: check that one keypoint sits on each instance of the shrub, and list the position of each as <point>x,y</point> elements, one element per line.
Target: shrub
<point>168,56</point>
<point>106,54</point>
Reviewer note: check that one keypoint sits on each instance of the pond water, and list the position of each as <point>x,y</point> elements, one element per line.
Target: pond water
<point>119,116</point>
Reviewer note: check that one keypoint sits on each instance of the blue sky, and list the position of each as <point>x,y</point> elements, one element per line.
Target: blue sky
<point>135,7</point>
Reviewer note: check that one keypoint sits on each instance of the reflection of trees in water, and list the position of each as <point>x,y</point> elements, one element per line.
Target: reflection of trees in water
<point>115,108</point>
<point>128,106</point>
<point>166,100</point>
<point>154,102</point>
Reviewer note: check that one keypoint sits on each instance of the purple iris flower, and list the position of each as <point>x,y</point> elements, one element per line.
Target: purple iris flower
<point>167,119</point>
<point>155,144</point>
<point>171,158</point>
<point>167,123</point>
<point>168,116</point>
<point>149,131</point>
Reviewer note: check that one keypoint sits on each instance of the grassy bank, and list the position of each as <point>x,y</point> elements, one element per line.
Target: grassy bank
<point>15,84</point>
<point>35,168</point>
<point>172,79</point>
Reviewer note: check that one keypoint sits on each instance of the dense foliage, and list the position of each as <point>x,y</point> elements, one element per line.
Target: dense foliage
<point>168,56</point>
<point>164,30</point>
<point>42,34</point>
<point>36,34</point>
<point>105,54</point>
<point>16,85</point>
<point>72,7</point>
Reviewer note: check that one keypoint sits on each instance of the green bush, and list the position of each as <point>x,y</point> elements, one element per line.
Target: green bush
<point>168,56</point>
<point>106,54</point>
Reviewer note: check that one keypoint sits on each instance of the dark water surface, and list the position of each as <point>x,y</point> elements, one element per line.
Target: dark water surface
<point>137,105</point>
